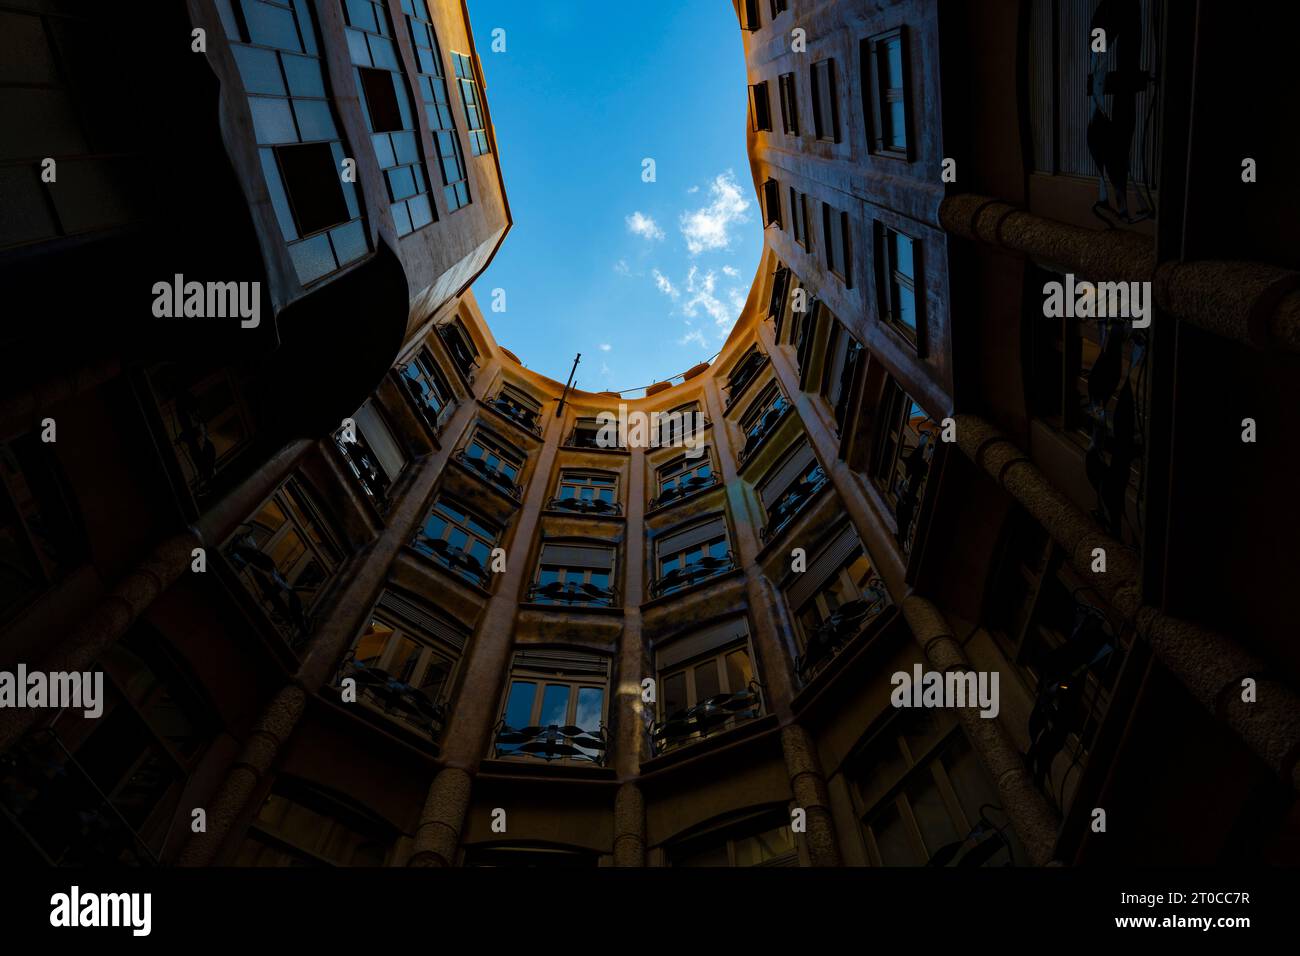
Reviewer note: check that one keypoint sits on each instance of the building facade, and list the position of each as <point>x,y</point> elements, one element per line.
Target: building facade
<point>368,591</point>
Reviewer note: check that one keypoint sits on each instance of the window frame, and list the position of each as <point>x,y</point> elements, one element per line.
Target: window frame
<point>788,93</point>
<point>888,273</point>
<point>825,96</point>
<point>760,107</point>
<point>878,95</point>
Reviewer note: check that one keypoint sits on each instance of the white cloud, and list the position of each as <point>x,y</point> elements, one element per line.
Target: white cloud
<point>707,228</point>
<point>664,285</point>
<point>621,267</point>
<point>731,271</point>
<point>693,337</point>
<point>703,297</point>
<point>605,346</point>
<point>644,226</point>
<point>693,189</point>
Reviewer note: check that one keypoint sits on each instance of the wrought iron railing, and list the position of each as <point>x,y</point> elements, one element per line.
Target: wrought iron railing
<point>793,502</point>
<point>844,623</point>
<point>281,600</point>
<point>397,699</point>
<point>491,476</point>
<point>525,418</point>
<point>454,559</point>
<point>692,573</point>
<point>433,417</point>
<point>691,724</point>
<point>684,489</point>
<point>740,378</point>
<point>572,592</point>
<point>586,506</point>
<point>907,505</point>
<point>461,357</point>
<point>374,481</point>
<point>551,743</point>
<point>764,427</point>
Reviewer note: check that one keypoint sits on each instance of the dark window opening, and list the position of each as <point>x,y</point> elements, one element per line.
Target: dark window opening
<point>314,187</point>
<point>381,100</point>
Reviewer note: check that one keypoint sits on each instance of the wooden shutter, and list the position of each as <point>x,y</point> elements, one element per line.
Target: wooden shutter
<point>561,660</point>
<point>785,475</point>
<point>380,440</point>
<point>689,537</point>
<point>578,556</point>
<point>425,621</point>
<point>823,567</point>
<point>696,643</point>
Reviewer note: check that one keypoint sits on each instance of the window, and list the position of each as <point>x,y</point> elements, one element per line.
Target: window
<point>684,557</point>
<point>772,203</point>
<point>403,662</point>
<point>593,433</point>
<point>743,372</point>
<point>386,103</point>
<point>469,97</point>
<point>286,554</point>
<point>826,109</point>
<point>85,791</point>
<point>437,104</point>
<point>575,574</point>
<point>299,143</point>
<point>884,91</point>
<point>760,107</point>
<point>803,335</point>
<point>749,15</point>
<point>427,388</point>
<point>371,452</point>
<point>587,492</point>
<point>778,7</point>
<point>761,418</point>
<point>464,353</point>
<point>833,599</point>
<point>786,89</point>
<point>904,447</point>
<point>897,268</point>
<point>836,242</point>
<point>767,841</point>
<point>679,425</point>
<point>519,407</point>
<point>683,476</point>
<point>552,694</point>
<point>843,354</point>
<point>493,460</point>
<point>205,420</point>
<point>788,488</point>
<point>301,824</point>
<point>706,685</point>
<point>40,533</point>
<point>458,539</point>
<point>799,218</point>
<point>921,789</point>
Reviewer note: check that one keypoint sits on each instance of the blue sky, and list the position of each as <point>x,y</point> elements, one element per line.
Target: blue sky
<point>644,279</point>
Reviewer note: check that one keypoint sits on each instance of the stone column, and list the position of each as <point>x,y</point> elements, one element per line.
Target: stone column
<point>112,618</point>
<point>809,787</point>
<point>260,750</point>
<point>1033,818</point>
<point>629,826</point>
<point>437,836</point>
<point>1211,665</point>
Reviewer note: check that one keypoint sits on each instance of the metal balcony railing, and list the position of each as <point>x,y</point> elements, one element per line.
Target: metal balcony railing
<point>525,418</point>
<point>586,506</point>
<point>495,478</point>
<point>412,706</point>
<point>574,593</point>
<point>280,599</point>
<point>551,743</point>
<point>361,460</point>
<point>693,573</point>
<point>697,722</point>
<point>684,489</point>
<point>763,428</point>
<point>454,559</point>
<point>844,623</point>
<point>793,502</point>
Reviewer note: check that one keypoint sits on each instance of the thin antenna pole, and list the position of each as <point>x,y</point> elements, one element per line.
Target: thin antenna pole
<point>560,407</point>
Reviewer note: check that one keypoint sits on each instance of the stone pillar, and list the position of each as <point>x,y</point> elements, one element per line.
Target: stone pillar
<point>629,826</point>
<point>810,795</point>
<point>260,750</point>
<point>1033,818</point>
<point>1211,665</point>
<point>1249,302</point>
<point>112,618</point>
<point>437,836</point>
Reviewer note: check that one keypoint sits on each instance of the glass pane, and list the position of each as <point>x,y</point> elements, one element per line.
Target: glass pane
<point>590,702</point>
<point>304,75</point>
<point>555,706</point>
<point>674,692</point>
<point>892,840</point>
<point>937,827</point>
<point>258,69</point>
<point>739,672</point>
<point>372,643</point>
<point>894,60</point>
<point>402,664</point>
<point>706,681</point>
<point>519,706</point>
<point>272,121</point>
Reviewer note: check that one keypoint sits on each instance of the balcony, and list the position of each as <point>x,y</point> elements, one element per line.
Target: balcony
<point>525,418</point>
<point>742,375</point>
<point>844,624</point>
<point>764,427</point>
<point>278,597</point>
<point>420,395</point>
<point>454,559</point>
<point>461,356</point>
<point>585,506</point>
<point>496,479</point>
<point>573,593</point>
<point>692,724</point>
<point>551,743</point>
<point>693,573</point>
<point>411,706</point>
<point>793,502</point>
<point>684,489</point>
<point>361,461</point>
